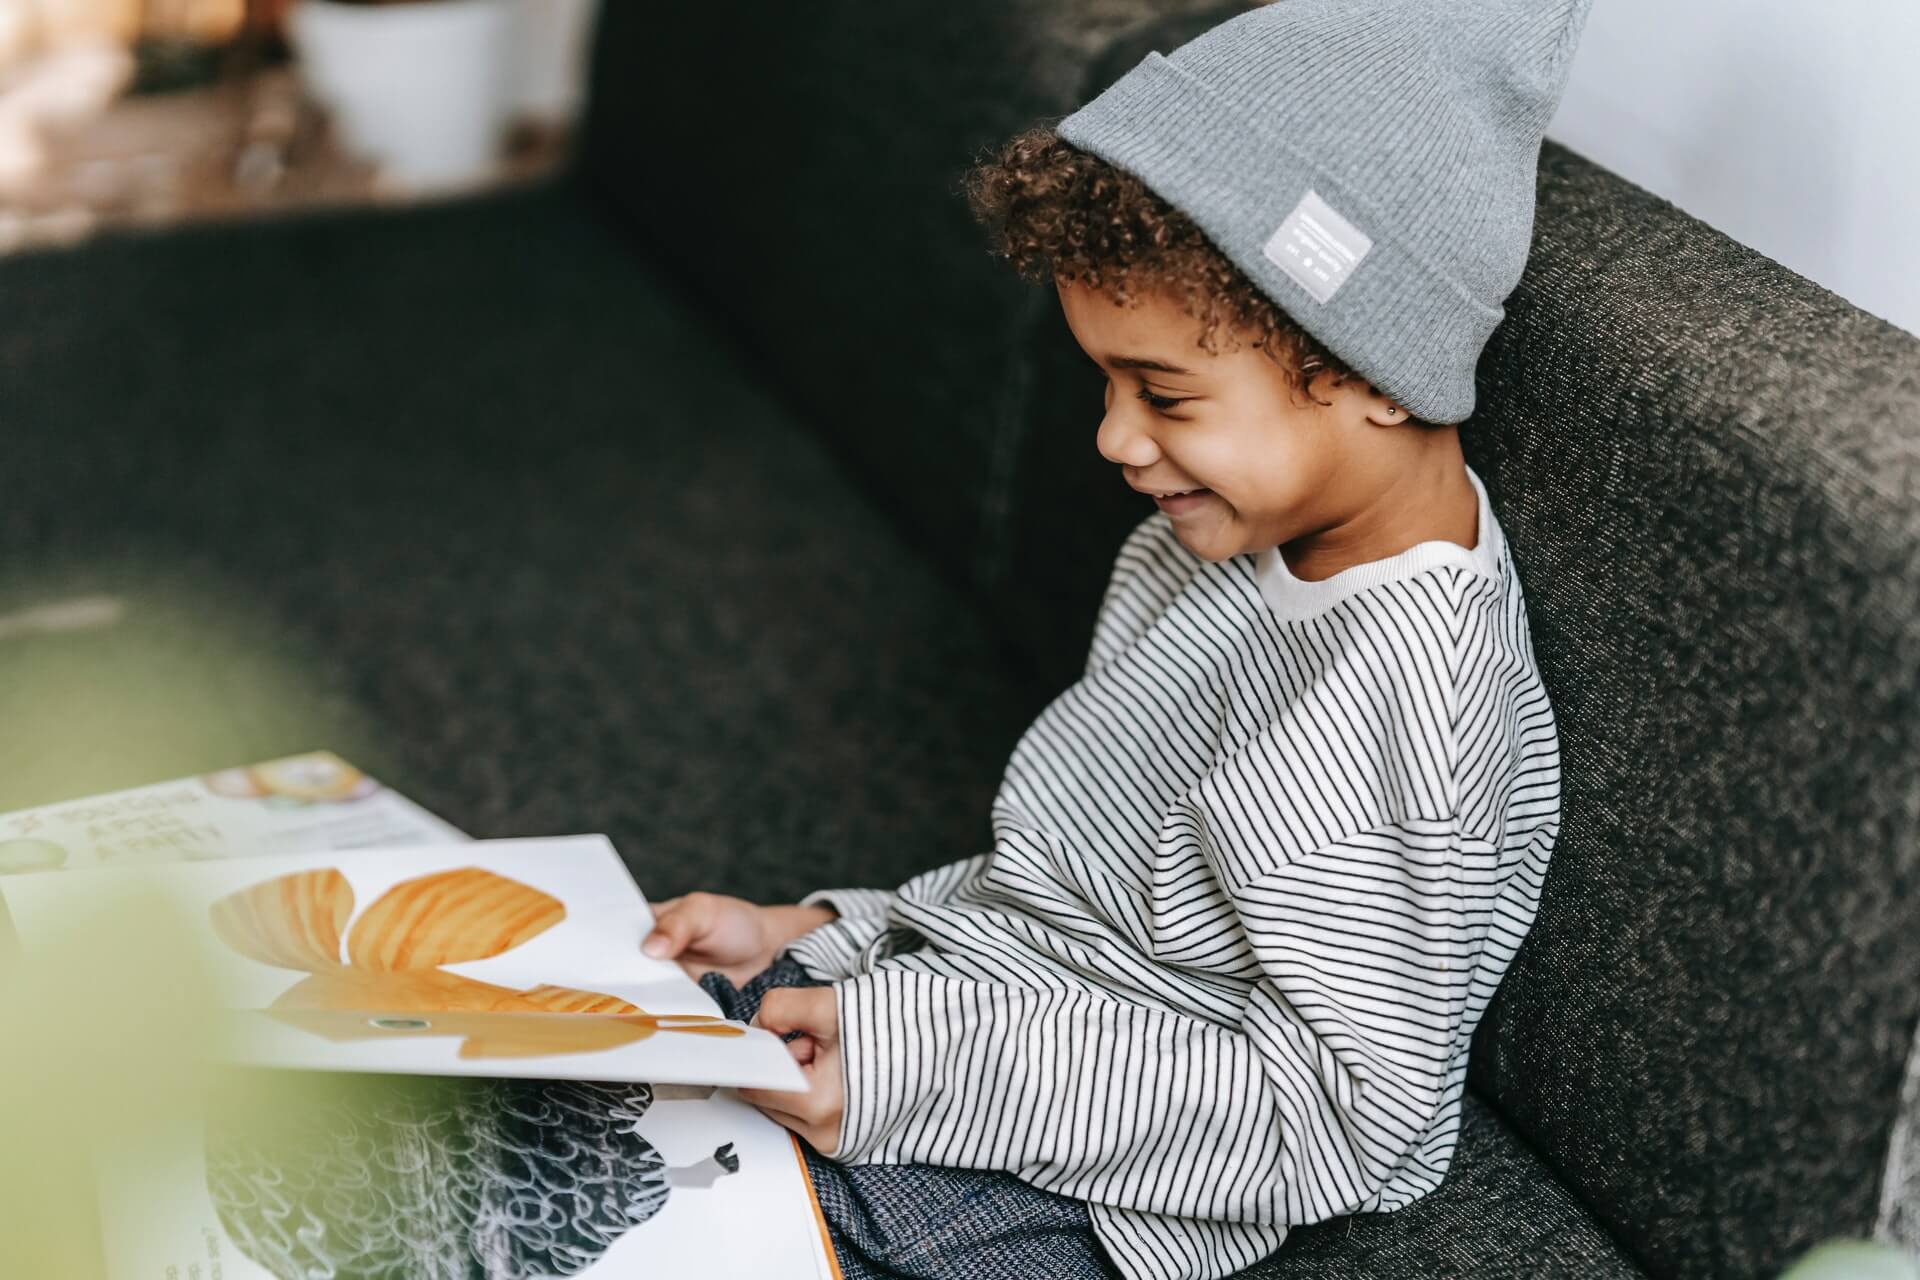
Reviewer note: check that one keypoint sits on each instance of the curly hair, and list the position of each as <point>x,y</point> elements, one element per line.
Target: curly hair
<point>1055,211</point>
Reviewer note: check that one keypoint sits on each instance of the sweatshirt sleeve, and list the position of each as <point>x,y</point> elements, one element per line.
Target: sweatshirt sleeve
<point>1298,1111</point>
<point>838,949</point>
<point>832,951</point>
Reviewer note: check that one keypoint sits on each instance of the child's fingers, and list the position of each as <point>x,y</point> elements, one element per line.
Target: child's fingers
<point>800,1103</point>
<point>784,1101</point>
<point>676,923</point>
<point>804,1049</point>
<point>810,1116</point>
<point>794,1105</point>
<point>823,1138</point>
<point>812,1011</point>
<point>815,1115</point>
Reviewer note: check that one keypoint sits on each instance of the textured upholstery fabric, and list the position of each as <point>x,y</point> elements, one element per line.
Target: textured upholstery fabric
<point>1709,469</point>
<point>799,165</point>
<point>467,496</point>
<point>1499,1214</point>
<point>1899,1221</point>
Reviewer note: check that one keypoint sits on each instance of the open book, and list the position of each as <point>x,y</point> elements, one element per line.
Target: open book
<point>549,1081</point>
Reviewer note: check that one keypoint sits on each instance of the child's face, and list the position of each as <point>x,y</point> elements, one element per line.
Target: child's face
<point>1276,467</point>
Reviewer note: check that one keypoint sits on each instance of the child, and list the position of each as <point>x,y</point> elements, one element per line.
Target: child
<point>1257,874</point>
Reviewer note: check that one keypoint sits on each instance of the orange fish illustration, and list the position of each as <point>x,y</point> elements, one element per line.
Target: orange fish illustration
<point>391,981</point>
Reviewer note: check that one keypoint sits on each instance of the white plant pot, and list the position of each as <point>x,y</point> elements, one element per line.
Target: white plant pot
<point>553,45</point>
<point>423,90</point>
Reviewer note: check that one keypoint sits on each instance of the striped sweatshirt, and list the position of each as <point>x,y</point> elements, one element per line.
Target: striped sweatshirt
<point>1254,878</point>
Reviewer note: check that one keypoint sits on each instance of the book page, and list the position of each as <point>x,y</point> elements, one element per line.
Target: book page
<point>521,1179</point>
<point>469,959</point>
<point>164,1209</point>
<point>306,802</point>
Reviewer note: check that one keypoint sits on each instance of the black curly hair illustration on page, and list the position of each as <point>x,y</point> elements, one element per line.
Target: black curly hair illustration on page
<point>411,1178</point>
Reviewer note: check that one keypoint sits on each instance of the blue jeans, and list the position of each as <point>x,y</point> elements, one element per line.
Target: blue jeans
<point>924,1222</point>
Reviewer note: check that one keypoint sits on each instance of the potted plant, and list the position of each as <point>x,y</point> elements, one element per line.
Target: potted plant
<point>552,55</point>
<point>424,89</point>
<point>427,88</point>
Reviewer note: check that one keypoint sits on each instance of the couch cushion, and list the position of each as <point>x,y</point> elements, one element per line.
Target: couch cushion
<point>1499,1213</point>
<point>1899,1219</point>
<point>467,495</point>
<point>1708,468</point>
<point>798,164</point>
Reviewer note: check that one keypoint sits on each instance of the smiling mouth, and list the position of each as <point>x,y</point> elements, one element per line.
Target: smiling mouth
<point>1175,505</point>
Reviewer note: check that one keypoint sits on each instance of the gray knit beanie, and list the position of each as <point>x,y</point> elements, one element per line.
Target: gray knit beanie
<point>1368,164</point>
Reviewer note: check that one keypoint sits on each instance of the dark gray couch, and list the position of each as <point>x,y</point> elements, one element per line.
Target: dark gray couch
<point>725,497</point>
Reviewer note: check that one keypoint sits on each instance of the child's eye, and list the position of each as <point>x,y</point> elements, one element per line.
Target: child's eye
<point>1162,403</point>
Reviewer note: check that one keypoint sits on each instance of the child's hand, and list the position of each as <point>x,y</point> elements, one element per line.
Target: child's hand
<point>815,1014</point>
<point>705,931</point>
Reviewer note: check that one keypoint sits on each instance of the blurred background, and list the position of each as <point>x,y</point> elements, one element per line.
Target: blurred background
<point>151,112</point>
<point>1790,129</point>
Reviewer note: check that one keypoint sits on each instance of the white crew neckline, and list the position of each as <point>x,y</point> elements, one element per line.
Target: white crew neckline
<point>1298,599</point>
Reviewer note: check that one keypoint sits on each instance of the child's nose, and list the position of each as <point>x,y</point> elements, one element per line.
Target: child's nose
<point>1123,439</point>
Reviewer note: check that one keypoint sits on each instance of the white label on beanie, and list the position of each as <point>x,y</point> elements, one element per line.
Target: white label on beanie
<point>1317,247</point>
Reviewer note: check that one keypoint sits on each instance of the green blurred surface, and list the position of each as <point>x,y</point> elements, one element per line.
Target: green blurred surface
<point>172,674</point>
<point>105,1023</point>
<point>1853,1260</point>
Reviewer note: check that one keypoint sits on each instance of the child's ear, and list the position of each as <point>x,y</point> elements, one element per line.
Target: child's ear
<point>1384,411</point>
<point>1356,398</point>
